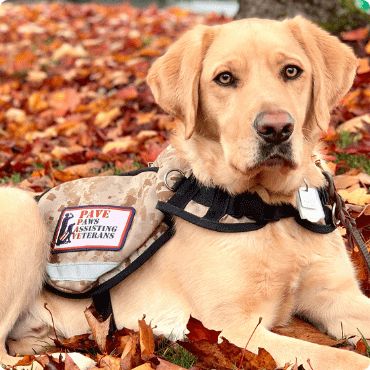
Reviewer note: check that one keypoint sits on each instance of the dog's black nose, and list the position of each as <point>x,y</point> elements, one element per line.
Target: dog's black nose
<point>274,127</point>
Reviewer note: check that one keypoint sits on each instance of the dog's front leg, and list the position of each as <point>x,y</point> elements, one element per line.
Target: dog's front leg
<point>289,350</point>
<point>23,256</point>
<point>330,296</point>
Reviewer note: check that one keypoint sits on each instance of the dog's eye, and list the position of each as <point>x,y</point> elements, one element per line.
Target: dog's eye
<point>225,79</point>
<point>291,72</point>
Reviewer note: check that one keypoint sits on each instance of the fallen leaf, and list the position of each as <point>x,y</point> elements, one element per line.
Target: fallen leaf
<point>129,351</point>
<point>165,365</point>
<point>16,115</point>
<point>110,363</point>
<point>99,329</point>
<point>359,196</point>
<point>355,35</point>
<point>197,332</point>
<point>145,366</point>
<point>364,66</point>
<point>146,340</point>
<point>66,49</point>
<point>355,124</point>
<point>125,144</point>
<point>104,119</point>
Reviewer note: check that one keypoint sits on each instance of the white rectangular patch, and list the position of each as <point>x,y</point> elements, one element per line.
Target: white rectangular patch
<point>309,205</point>
<point>92,228</point>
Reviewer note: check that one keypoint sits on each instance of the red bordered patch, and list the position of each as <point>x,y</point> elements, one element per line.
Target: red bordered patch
<point>93,227</point>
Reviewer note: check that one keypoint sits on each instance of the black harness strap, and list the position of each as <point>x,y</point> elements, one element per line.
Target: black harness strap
<point>103,305</point>
<point>248,205</point>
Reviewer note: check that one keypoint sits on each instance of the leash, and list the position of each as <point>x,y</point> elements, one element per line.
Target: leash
<point>341,216</point>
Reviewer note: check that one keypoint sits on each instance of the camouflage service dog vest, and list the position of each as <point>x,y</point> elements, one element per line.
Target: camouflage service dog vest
<point>101,229</point>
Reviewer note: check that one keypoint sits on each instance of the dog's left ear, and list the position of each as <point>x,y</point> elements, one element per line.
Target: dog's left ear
<point>333,63</point>
<point>174,77</point>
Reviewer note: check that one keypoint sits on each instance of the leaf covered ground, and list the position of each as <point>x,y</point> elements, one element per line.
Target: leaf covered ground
<point>74,103</point>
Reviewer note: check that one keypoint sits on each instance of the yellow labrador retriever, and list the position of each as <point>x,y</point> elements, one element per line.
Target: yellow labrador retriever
<point>253,96</point>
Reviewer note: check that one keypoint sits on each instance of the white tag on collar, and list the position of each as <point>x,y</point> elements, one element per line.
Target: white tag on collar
<point>309,204</point>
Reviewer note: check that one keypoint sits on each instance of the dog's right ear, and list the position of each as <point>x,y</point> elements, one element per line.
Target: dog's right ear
<point>174,77</point>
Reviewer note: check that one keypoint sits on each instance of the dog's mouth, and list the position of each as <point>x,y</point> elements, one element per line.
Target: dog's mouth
<point>276,156</point>
<point>277,160</point>
<point>269,157</point>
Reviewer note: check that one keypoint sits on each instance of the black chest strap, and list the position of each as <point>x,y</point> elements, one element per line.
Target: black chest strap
<point>248,211</point>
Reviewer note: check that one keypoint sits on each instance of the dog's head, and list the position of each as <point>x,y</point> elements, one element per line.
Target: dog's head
<point>253,96</point>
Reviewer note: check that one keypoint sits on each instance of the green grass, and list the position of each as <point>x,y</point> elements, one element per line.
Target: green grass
<point>352,160</point>
<point>15,178</point>
<point>355,161</point>
<point>347,138</point>
<point>174,353</point>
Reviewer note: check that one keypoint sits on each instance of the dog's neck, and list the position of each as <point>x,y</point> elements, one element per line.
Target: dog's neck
<point>206,159</point>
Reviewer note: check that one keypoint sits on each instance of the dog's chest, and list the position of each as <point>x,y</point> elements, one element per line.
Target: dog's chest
<point>263,268</point>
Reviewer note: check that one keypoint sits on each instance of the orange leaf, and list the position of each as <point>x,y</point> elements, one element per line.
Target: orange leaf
<point>146,340</point>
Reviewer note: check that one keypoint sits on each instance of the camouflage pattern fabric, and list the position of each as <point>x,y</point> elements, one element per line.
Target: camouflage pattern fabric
<point>78,271</point>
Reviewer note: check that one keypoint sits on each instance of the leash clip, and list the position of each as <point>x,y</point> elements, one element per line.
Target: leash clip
<point>340,215</point>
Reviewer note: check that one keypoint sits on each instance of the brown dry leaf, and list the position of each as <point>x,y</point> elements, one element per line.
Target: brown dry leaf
<point>26,360</point>
<point>364,178</point>
<point>48,133</point>
<point>99,329</point>
<point>146,134</point>
<point>364,66</point>
<point>146,340</point>
<point>23,60</point>
<point>104,119</point>
<point>127,93</point>
<point>165,365</point>
<point>37,102</point>
<point>203,343</point>
<point>128,354</point>
<point>69,50</point>
<point>300,329</point>
<point>110,362</point>
<point>145,366</point>
<point>64,100</point>
<point>36,76</point>
<point>59,152</point>
<point>355,124</point>
<point>197,331</point>
<point>79,170</point>
<point>361,347</point>
<point>15,115</point>
<point>345,181</point>
<point>359,196</point>
<point>126,144</point>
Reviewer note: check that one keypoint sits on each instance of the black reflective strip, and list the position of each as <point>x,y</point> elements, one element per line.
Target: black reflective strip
<point>172,210</point>
<point>164,238</point>
<point>139,171</point>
